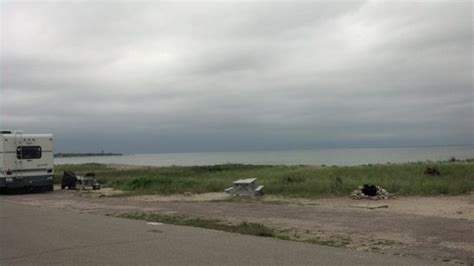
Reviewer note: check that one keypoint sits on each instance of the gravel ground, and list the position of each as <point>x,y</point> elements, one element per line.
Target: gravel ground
<point>439,228</point>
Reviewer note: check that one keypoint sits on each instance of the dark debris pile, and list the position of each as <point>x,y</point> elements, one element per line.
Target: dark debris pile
<point>368,191</point>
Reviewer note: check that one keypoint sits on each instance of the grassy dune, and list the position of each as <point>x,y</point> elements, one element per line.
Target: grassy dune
<point>295,181</point>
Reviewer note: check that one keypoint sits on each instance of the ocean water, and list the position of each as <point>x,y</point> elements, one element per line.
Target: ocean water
<point>290,157</point>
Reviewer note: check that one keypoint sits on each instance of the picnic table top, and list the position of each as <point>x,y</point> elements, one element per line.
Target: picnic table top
<point>245,181</point>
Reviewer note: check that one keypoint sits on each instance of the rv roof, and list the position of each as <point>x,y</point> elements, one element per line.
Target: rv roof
<point>28,135</point>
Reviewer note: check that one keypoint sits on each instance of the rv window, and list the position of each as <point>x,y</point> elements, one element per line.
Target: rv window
<point>28,152</point>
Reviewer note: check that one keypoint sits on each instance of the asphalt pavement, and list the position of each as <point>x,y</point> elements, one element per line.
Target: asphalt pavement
<point>45,236</point>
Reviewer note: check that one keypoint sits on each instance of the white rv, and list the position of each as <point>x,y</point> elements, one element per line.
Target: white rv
<point>26,161</point>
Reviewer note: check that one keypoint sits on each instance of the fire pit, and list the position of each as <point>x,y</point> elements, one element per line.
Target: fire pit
<point>369,191</point>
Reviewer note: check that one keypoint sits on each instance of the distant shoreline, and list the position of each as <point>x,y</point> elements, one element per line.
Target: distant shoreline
<point>67,155</point>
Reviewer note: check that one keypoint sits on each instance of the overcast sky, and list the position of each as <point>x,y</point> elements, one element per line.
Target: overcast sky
<point>208,76</point>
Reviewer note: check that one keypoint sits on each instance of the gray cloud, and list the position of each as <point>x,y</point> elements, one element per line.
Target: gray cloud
<point>161,76</point>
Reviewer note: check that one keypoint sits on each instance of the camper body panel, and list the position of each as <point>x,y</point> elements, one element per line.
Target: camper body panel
<point>26,161</point>
<point>1,157</point>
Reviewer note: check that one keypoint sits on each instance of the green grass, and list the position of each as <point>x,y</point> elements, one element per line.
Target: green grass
<point>328,242</point>
<point>245,228</point>
<point>457,177</point>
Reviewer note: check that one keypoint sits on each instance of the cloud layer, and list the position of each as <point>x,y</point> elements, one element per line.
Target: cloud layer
<point>159,77</point>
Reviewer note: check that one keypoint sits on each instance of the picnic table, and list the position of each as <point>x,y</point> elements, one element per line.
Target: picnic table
<point>245,187</point>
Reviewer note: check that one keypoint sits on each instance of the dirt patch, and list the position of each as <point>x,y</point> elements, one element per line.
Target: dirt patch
<point>456,207</point>
<point>217,196</point>
<point>440,228</point>
<point>103,192</point>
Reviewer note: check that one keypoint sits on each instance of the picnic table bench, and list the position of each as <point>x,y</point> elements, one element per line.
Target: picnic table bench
<point>245,187</point>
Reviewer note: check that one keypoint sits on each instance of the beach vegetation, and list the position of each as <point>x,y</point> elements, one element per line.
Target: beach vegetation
<point>456,177</point>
